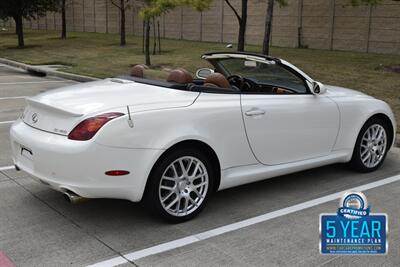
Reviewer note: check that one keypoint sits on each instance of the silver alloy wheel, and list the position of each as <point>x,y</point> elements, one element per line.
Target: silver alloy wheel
<point>373,146</point>
<point>183,186</point>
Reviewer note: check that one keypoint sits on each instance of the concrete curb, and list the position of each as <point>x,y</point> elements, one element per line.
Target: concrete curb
<point>47,71</point>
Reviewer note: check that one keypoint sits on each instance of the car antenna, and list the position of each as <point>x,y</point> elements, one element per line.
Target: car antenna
<point>130,122</point>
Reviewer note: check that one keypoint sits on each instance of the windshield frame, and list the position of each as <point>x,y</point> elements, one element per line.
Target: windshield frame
<point>216,58</point>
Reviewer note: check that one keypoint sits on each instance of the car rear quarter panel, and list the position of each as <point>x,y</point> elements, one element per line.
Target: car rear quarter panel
<point>214,119</point>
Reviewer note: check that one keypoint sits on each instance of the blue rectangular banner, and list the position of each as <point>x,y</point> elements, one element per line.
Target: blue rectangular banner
<point>364,235</point>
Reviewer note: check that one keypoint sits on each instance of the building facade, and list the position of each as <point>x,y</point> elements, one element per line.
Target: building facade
<point>321,24</point>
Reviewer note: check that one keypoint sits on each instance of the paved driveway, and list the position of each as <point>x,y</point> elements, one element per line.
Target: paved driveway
<point>39,228</point>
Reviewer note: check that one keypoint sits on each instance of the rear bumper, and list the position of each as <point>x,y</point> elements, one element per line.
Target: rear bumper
<point>80,167</point>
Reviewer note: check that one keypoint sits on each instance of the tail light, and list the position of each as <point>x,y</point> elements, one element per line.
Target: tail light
<point>86,129</point>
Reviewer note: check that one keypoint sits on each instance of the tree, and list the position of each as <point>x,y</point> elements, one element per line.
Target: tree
<point>242,20</point>
<point>155,8</point>
<point>268,24</point>
<point>24,9</point>
<point>122,5</point>
<point>63,21</point>
<point>62,8</point>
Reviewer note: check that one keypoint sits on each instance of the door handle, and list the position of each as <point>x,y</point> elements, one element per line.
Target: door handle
<point>255,112</point>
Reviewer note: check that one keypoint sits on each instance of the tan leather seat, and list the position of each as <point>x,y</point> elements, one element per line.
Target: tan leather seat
<point>137,71</point>
<point>181,76</point>
<point>217,80</point>
<point>188,74</point>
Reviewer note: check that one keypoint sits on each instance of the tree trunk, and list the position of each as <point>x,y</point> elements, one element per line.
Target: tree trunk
<point>147,42</point>
<point>19,30</point>
<point>154,37</point>
<point>143,34</point>
<point>242,27</point>
<point>63,21</point>
<point>159,37</point>
<point>122,31</point>
<point>268,27</point>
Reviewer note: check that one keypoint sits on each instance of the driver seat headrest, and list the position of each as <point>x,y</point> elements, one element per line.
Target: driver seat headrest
<point>181,76</point>
<point>217,80</point>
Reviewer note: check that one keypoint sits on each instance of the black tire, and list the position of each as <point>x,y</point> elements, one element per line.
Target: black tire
<point>152,194</point>
<point>356,162</point>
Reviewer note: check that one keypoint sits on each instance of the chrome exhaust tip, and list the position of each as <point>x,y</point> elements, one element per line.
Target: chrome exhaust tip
<point>73,198</point>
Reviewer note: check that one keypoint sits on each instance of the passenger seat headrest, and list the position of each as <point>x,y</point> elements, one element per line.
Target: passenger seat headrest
<point>217,80</point>
<point>138,71</point>
<point>181,76</point>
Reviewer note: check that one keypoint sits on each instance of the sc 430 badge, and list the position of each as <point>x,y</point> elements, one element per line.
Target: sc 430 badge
<point>353,229</point>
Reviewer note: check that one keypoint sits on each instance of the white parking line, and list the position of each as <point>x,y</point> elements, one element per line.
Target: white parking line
<point>6,122</point>
<point>236,226</point>
<point>12,97</point>
<point>16,83</point>
<point>6,168</point>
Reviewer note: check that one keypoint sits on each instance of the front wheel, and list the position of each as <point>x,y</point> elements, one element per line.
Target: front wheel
<point>180,185</point>
<point>371,147</point>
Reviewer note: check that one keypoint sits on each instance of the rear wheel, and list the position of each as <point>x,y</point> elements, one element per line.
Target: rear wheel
<point>372,146</point>
<point>180,185</point>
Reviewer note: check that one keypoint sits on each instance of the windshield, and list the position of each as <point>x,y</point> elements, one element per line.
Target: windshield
<point>269,73</point>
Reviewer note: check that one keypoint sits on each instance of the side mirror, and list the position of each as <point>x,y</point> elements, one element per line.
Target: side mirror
<point>204,73</point>
<point>318,88</point>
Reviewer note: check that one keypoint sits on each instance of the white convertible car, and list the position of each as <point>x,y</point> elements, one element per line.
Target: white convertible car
<point>174,143</point>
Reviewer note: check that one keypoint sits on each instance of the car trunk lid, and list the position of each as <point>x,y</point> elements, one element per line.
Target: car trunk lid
<point>59,111</point>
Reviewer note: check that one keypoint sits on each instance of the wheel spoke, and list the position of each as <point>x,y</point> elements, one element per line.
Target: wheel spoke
<point>192,179</point>
<point>197,193</point>
<point>193,202</point>
<point>373,132</point>
<point>382,148</point>
<point>168,196</point>
<point>185,206</point>
<point>364,152</point>
<point>372,159</point>
<point>183,169</point>
<point>367,157</point>
<point>172,202</point>
<point>178,205</point>
<point>200,185</point>
<point>189,166</point>
<point>196,169</point>
<point>369,134</point>
<point>167,187</point>
<point>173,179</point>
<point>174,170</point>
<point>379,134</point>
<point>364,146</point>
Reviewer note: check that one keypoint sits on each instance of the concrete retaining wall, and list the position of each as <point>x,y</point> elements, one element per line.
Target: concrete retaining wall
<point>323,24</point>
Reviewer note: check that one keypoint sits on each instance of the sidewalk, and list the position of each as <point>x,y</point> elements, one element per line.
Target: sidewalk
<point>50,70</point>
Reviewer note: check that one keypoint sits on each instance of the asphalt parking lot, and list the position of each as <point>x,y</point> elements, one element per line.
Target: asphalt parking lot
<point>39,228</point>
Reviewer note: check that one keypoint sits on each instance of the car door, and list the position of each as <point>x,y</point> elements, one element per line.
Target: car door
<point>289,128</point>
<point>284,121</point>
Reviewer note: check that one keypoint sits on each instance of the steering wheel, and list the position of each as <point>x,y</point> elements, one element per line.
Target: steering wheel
<point>236,80</point>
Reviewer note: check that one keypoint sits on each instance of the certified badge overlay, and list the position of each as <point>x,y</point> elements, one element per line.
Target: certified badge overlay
<point>353,229</point>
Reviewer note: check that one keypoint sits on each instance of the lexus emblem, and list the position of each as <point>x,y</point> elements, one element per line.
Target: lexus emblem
<point>35,117</point>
